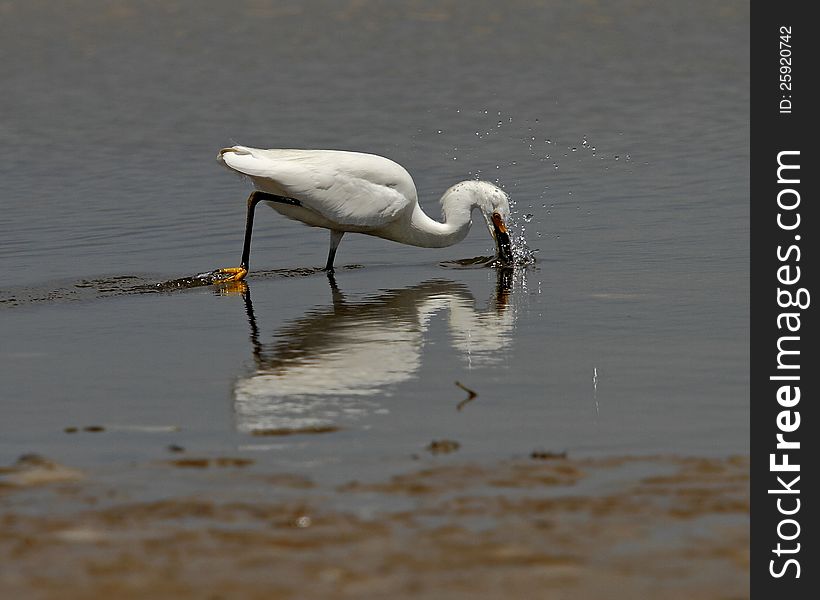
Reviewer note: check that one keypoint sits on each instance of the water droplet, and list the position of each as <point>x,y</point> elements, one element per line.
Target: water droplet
<point>617,157</point>
<point>499,124</point>
<point>555,165</point>
<point>454,158</point>
<point>527,217</point>
<point>548,141</point>
<point>628,157</point>
<point>574,149</point>
<point>438,131</point>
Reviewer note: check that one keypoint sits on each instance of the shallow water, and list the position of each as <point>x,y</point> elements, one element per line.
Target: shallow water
<point>620,132</point>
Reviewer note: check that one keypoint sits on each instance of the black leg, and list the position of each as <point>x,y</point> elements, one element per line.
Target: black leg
<point>335,240</point>
<point>255,198</point>
<point>233,274</point>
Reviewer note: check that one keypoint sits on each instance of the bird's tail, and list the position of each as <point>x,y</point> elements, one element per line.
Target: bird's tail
<point>238,150</point>
<point>242,159</point>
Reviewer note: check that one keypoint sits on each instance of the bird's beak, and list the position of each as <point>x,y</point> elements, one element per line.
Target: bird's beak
<point>502,240</point>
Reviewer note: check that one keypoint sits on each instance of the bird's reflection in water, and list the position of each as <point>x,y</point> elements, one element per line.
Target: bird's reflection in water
<point>326,368</point>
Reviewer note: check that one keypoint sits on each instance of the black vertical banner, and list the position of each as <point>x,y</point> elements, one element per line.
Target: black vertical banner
<point>784,223</point>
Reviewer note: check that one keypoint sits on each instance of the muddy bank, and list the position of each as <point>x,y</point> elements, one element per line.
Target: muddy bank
<point>556,527</point>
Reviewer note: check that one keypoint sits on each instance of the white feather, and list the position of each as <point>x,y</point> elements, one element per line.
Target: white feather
<point>364,193</point>
<point>347,189</point>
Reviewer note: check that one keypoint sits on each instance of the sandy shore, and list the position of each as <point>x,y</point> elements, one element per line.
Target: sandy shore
<point>544,527</point>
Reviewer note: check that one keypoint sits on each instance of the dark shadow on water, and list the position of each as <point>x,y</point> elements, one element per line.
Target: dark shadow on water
<point>59,292</point>
<point>84,290</point>
<point>484,262</point>
<point>478,262</point>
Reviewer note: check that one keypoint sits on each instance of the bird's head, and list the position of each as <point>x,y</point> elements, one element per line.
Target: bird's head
<point>495,206</point>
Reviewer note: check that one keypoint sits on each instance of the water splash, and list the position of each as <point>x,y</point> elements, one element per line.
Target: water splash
<point>523,255</point>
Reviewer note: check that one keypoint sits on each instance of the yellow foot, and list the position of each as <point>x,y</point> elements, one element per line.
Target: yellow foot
<point>229,274</point>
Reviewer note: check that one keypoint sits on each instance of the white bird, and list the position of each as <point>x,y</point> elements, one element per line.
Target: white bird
<point>362,193</point>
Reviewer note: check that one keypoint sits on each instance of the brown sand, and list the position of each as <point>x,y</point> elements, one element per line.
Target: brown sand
<point>557,528</point>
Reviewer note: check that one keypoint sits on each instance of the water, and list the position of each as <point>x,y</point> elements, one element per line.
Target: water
<point>619,131</point>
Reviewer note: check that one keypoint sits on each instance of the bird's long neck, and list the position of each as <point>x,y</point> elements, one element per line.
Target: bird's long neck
<point>453,228</point>
<point>457,205</point>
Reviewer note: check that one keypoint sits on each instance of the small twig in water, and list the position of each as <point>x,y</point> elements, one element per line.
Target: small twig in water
<point>469,398</point>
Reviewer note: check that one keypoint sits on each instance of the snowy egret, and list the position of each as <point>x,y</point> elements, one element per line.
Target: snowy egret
<point>362,193</point>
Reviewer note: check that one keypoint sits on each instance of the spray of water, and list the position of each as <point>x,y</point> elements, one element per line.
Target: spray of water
<point>523,255</point>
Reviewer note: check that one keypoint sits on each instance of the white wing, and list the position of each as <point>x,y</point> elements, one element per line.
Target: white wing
<point>346,188</point>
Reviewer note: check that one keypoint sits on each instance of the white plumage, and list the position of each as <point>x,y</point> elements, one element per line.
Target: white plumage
<point>342,188</point>
<point>362,193</point>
